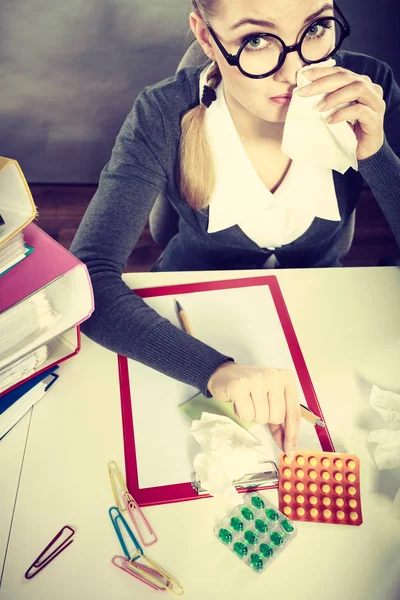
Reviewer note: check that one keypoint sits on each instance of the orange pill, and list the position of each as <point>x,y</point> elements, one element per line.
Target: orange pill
<point>325,488</point>
<point>338,463</point>
<point>287,472</point>
<point>338,476</point>
<point>287,460</point>
<point>313,500</point>
<point>313,487</point>
<point>340,514</point>
<point>325,475</point>
<point>353,515</point>
<point>326,462</point>
<point>351,464</point>
<point>339,489</point>
<point>352,490</point>
<point>351,477</point>
<point>300,473</point>
<point>300,499</point>
<point>326,501</point>
<point>287,485</point>
<point>299,486</point>
<point>312,474</point>
<point>339,501</point>
<point>314,512</point>
<point>313,461</point>
<point>300,460</point>
<point>352,503</point>
<point>287,498</point>
<point>300,511</point>
<point>287,510</point>
<point>327,513</point>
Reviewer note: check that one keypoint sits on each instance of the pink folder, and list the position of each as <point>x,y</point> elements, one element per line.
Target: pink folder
<point>68,287</point>
<point>48,262</point>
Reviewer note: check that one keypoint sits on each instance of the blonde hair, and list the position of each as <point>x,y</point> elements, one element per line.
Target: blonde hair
<point>196,169</point>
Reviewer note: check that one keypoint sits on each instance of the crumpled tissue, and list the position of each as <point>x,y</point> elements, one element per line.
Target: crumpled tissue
<point>308,138</point>
<point>387,452</point>
<point>228,452</point>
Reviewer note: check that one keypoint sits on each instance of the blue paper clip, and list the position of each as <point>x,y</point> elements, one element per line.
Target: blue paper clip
<point>115,521</point>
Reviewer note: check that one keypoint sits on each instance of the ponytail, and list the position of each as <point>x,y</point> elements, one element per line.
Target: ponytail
<point>196,169</point>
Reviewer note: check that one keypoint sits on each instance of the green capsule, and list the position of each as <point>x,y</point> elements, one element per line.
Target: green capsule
<point>237,524</point>
<point>250,537</point>
<point>247,513</point>
<point>272,514</point>
<point>256,562</point>
<point>257,502</point>
<point>266,550</point>
<point>276,538</point>
<point>261,526</point>
<point>225,535</point>
<point>287,526</point>
<point>240,549</point>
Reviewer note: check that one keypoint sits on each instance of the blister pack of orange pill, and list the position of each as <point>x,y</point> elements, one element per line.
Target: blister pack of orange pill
<point>320,486</point>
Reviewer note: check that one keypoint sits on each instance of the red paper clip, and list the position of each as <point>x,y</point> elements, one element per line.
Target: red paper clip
<point>40,562</point>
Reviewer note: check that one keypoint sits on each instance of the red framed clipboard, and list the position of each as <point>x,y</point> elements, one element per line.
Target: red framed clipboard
<point>185,491</point>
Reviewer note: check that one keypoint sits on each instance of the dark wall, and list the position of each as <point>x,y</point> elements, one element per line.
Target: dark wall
<point>71,70</point>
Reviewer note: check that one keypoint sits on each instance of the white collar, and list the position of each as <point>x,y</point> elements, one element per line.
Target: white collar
<point>239,192</point>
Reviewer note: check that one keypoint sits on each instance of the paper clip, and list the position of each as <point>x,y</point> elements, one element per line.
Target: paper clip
<point>128,503</point>
<point>40,562</point>
<point>115,521</point>
<point>124,564</point>
<point>171,585</point>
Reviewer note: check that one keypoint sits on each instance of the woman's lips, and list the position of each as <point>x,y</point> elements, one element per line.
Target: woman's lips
<point>282,100</point>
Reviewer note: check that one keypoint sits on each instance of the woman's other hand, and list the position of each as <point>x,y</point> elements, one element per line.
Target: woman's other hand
<point>263,395</point>
<point>368,109</point>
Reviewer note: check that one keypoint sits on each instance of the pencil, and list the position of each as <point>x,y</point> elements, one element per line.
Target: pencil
<point>306,413</point>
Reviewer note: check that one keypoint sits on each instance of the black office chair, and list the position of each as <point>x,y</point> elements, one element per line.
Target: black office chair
<point>163,219</point>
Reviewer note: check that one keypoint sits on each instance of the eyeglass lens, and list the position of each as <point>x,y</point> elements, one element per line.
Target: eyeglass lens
<point>262,53</point>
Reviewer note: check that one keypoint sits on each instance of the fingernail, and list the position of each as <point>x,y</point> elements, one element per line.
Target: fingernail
<point>290,452</point>
<point>309,74</point>
<point>321,105</point>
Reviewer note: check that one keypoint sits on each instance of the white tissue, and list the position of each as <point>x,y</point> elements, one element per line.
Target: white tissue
<point>308,138</point>
<point>228,452</point>
<point>387,452</point>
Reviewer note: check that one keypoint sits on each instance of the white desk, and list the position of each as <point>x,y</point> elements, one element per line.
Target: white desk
<point>348,324</point>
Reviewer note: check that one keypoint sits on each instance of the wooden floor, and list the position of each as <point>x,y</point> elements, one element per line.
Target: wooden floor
<point>61,208</point>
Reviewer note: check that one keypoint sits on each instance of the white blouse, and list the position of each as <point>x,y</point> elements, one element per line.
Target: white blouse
<point>241,198</point>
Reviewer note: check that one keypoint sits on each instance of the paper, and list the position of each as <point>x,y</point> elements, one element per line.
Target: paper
<point>164,448</point>
<point>308,138</point>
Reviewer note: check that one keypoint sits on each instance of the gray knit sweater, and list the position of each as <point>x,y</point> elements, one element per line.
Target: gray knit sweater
<point>143,162</point>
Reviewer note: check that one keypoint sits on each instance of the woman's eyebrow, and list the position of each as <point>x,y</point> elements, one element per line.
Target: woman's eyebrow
<point>271,24</point>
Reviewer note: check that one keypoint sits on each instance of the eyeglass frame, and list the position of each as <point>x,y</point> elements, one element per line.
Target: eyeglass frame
<point>234,59</point>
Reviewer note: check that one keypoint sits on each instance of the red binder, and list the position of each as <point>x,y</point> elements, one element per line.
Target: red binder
<point>184,491</point>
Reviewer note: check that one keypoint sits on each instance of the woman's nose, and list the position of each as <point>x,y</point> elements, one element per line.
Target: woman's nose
<point>291,66</point>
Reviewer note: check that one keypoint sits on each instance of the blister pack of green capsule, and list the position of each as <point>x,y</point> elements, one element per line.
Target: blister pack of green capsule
<point>256,531</point>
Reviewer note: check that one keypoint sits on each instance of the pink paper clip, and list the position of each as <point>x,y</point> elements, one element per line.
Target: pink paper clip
<point>41,562</point>
<point>132,507</point>
<point>126,502</point>
<point>123,563</point>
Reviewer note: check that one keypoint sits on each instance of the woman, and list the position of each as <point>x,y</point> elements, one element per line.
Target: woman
<point>167,143</point>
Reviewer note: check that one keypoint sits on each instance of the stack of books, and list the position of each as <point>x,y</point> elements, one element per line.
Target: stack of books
<point>45,293</point>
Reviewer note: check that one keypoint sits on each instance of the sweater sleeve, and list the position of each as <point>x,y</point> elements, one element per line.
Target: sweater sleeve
<point>382,170</point>
<point>128,187</point>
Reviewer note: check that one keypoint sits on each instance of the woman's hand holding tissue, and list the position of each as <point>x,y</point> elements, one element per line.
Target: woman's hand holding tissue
<point>263,395</point>
<point>342,86</point>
